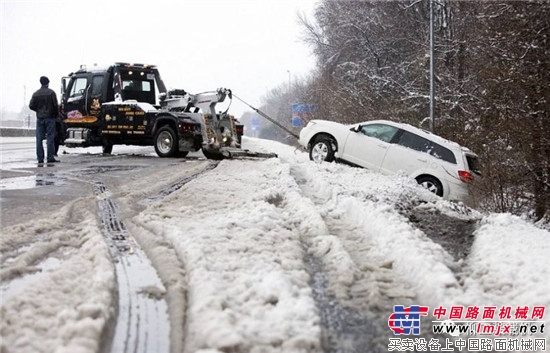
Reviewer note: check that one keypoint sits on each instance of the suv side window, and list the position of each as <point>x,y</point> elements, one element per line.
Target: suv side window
<point>421,144</point>
<point>379,131</point>
<point>417,143</point>
<point>443,153</point>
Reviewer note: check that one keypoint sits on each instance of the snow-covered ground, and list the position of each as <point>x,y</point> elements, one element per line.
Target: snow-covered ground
<point>239,241</point>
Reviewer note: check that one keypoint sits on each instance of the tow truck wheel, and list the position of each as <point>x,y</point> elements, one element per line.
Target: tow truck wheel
<point>107,147</point>
<point>56,146</point>
<point>166,142</point>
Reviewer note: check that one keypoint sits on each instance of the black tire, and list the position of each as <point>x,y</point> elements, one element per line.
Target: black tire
<point>166,142</point>
<point>217,156</point>
<point>107,146</point>
<point>56,146</point>
<point>182,154</point>
<point>431,184</point>
<point>59,135</point>
<point>322,150</point>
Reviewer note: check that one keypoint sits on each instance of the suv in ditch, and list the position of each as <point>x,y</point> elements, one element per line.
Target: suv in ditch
<point>441,166</point>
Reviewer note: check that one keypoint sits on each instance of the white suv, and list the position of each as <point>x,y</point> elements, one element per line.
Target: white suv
<point>443,167</point>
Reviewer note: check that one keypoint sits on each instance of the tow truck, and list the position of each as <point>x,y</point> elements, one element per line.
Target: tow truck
<point>129,104</point>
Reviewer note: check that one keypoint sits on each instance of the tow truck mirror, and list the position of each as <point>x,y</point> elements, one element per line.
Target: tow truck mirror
<point>64,82</point>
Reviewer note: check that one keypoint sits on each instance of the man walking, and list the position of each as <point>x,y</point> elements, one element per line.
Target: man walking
<point>44,103</point>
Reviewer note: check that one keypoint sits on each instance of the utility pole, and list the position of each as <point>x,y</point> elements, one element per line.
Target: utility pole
<point>288,81</point>
<point>432,84</point>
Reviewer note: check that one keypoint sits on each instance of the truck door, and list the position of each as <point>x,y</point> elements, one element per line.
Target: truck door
<point>74,103</point>
<point>95,96</point>
<point>84,97</point>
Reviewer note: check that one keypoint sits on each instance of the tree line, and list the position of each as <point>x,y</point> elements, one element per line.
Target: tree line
<point>492,79</point>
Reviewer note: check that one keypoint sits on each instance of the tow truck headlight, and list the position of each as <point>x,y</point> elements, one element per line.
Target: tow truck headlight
<point>226,136</point>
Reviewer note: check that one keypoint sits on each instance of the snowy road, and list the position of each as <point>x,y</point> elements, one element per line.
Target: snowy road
<point>278,255</point>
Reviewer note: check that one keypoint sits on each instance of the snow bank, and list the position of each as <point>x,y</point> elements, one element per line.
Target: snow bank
<point>365,205</point>
<point>248,288</point>
<point>509,264</point>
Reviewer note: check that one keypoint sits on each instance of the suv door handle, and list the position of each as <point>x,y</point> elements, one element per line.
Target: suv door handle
<point>422,160</point>
<point>383,146</point>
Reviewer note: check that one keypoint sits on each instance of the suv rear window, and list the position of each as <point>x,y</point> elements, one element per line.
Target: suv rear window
<point>473,164</point>
<point>410,140</point>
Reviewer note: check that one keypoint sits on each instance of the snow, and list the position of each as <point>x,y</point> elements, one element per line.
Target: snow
<point>65,309</point>
<point>243,232</point>
<point>521,277</point>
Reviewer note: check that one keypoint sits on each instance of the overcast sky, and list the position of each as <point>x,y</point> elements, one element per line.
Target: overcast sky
<point>249,46</point>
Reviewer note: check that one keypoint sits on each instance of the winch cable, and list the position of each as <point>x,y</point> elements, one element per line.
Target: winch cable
<point>230,95</point>
<point>268,118</point>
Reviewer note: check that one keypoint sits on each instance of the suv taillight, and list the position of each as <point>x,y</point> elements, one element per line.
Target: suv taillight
<point>465,176</point>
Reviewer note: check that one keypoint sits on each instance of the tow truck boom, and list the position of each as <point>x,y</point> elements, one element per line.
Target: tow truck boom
<point>220,136</point>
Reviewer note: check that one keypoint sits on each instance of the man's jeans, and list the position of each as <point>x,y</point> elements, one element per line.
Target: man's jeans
<point>45,127</point>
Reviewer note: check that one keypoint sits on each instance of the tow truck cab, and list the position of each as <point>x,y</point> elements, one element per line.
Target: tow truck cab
<point>85,90</point>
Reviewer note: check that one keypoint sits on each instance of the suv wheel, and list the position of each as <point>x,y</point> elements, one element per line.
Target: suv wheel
<point>321,150</point>
<point>431,183</point>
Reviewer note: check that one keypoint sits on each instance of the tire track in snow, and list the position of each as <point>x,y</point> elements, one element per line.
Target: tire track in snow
<point>176,186</point>
<point>142,323</point>
<point>165,259</point>
<point>455,235</point>
<point>376,287</point>
<point>345,330</point>
<point>354,294</point>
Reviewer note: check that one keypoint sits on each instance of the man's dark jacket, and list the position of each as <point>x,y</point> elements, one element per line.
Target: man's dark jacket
<point>44,103</point>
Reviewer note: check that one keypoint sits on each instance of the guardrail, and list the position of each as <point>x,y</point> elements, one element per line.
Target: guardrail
<point>16,132</point>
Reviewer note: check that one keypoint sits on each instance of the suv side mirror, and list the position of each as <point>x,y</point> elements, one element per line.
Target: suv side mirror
<point>356,128</point>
